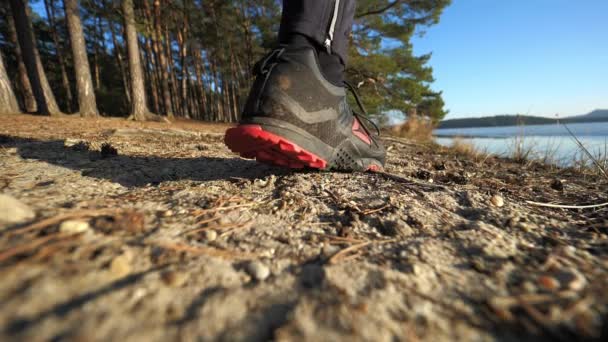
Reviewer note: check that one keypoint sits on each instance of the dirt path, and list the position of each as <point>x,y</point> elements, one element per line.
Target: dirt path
<point>156,232</point>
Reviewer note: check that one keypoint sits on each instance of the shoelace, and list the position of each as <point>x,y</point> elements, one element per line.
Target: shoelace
<point>363,115</point>
<point>261,67</point>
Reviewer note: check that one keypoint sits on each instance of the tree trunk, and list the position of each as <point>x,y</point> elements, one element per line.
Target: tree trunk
<point>218,115</point>
<point>202,107</point>
<point>246,26</point>
<point>153,71</point>
<point>184,58</point>
<point>84,83</point>
<point>146,69</point>
<point>45,100</point>
<point>192,103</point>
<point>139,107</point>
<point>50,11</point>
<point>233,88</point>
<point>182,37</point>
<point>29,102</point>
<point>98,38</point>
<point>164,74</point>
<point>152,51</point>
<point>119,61</point>
<point>172,73</point>
<point>8,101</point>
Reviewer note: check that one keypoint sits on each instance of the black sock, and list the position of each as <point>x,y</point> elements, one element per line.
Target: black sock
<point>330,64</point>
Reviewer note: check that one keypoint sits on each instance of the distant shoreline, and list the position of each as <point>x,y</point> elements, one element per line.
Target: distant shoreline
<point>599,115</point>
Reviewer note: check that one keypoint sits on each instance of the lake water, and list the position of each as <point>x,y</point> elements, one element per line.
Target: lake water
<point>549,142</point>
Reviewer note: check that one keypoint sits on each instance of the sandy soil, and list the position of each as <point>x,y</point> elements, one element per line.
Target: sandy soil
<point>113,230</point>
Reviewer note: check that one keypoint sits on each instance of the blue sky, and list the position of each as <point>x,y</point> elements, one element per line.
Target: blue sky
<point>540,57</point>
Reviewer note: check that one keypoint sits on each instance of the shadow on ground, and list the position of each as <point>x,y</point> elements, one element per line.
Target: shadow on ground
<point>137,171</point>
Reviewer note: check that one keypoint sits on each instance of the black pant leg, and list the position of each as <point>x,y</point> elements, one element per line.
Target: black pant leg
<point>313,19</point>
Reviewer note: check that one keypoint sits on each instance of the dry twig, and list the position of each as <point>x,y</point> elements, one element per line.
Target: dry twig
<point>343,254</point>
<point>338,239</point>
<point>563,206</point>
<point>216,209</point>
<point>208,251</point>
<point>32,245</point>
<point>66,216</point>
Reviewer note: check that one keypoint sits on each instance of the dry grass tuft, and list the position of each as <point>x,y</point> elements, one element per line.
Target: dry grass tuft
<point>464,147</point>
<point>415,128</point>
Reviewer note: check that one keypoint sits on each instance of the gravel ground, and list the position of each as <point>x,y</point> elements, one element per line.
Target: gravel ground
<point>112,230</point>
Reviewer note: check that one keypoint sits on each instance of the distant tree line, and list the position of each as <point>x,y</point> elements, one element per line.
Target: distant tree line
<point>598,115</point>
<point>157,59</point>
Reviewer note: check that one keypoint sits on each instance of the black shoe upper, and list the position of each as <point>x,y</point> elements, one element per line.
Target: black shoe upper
<point>290,87</point>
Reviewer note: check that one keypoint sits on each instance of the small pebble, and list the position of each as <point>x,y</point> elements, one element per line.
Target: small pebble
<point>210,235</point>
<point>13,211</point>
<point>74,227</point>
<point>258,270</point>
<point>548,283</point>
<point>529,287</point>
<point>224,220</point>
<point>174,278</point>
<point>329,250</point>
<point>497,201</point>
<point>416,269</point>
<point>120,266</point>
<point>268,253</point>
<point>525,227</point>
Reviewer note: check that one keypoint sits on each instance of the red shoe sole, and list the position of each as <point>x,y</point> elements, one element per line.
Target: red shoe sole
<point>251,141</point>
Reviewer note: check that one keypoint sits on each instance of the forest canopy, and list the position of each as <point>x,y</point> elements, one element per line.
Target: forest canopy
<point>195,56</point>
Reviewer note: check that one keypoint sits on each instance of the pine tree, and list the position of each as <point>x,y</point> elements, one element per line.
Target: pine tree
<point>27,94</point>
<point>382,59</point>
<point>8,101</point>
<point>87,105</point>
<point>139,107</point>
<point>45,100</point>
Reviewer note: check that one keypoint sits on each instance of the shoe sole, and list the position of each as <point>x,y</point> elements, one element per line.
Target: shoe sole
<point>253,142</point>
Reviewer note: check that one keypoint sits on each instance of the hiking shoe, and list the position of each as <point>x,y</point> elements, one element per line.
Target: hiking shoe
<point>295,118</point>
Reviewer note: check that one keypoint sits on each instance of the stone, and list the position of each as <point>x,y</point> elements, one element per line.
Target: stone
<point>210,235</point>
<point>497,201</point>
<point>174,278</point>
<point>329,250</point>
<point>258,270</point>
<point>548,283</point>
<point>121,265</point>
<point>74,227</point>
<point>13,211</point>
<point>526,227</point>
<point>417,269</point>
